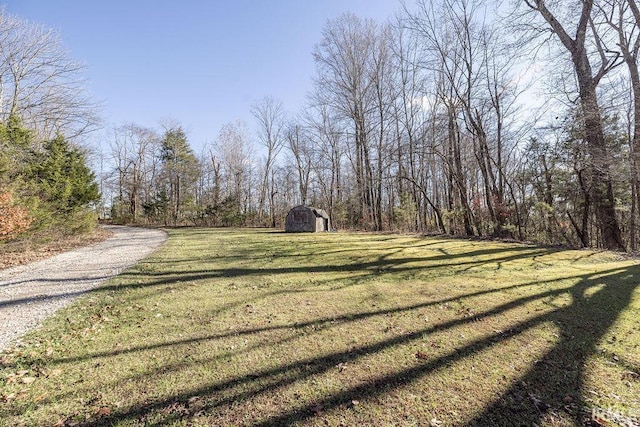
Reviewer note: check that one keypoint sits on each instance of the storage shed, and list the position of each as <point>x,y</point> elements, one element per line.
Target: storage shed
<point>306,219</point>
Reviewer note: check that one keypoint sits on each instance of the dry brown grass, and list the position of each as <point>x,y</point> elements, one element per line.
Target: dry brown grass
<point>26,251</point>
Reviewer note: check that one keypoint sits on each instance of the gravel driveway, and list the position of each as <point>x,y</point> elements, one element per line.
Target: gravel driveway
<point>30,293</point>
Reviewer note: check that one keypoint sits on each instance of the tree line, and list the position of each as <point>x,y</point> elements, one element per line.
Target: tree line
<point>422,124</point>
<point>460,117</point>
<point>47,189</point>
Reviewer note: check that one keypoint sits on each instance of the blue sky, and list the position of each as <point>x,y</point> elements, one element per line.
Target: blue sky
<point>199,62</point>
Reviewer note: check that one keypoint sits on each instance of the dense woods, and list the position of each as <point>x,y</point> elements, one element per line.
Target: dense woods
<point>459,117</point>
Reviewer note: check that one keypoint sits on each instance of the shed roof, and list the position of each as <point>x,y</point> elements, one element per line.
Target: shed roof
<point>319,212</point>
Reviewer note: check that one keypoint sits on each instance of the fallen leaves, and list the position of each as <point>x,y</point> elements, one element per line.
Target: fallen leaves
<point>28,380</point>
<point>540,405</point>
<point>103,411</point>
<point>20,377</point>
<point>317,409</point>
<point>4,398</point>
<point>54,372</point>
<point>422,355</point>
<point>5,361</point>
<point>193,407</point>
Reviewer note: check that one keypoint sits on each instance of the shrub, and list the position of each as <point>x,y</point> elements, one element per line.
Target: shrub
<point>13,218</point>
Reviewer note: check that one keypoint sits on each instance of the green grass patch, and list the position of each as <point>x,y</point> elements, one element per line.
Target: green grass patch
<point>256,327</point>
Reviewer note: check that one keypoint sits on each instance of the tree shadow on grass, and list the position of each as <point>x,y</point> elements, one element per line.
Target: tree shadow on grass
<point>319,364</point>
<point>337,319</point>
<point>383,263</point>
<point>377,268</point>
<point>355,272</point>
<point>553,387</point>
<point>542,391</point>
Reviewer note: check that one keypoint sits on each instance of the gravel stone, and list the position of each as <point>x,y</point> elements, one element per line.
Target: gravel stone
<point>30,293</point>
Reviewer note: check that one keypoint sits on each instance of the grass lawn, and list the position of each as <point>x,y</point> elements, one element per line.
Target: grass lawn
<point>257,327</point>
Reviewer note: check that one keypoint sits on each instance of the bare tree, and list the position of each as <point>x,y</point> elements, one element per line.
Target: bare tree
<point>133,151</point>
<point>270,117</point>
<point>624,17</point>
<point>342,59</point>
<point>414,114</point>
<point>299,145</point>
<point>327,136</point>
<point>40,83</point>
<point>233,149</point>
<point>352,62</point>
<point>586,48</point>
<point>208,195</point>
<point>474,94</point>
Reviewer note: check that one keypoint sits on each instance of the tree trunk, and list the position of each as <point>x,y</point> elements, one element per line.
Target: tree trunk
<point>602,186</point>
<point>602,189</point>
<point>631,59</point>
<point>458,172</point>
